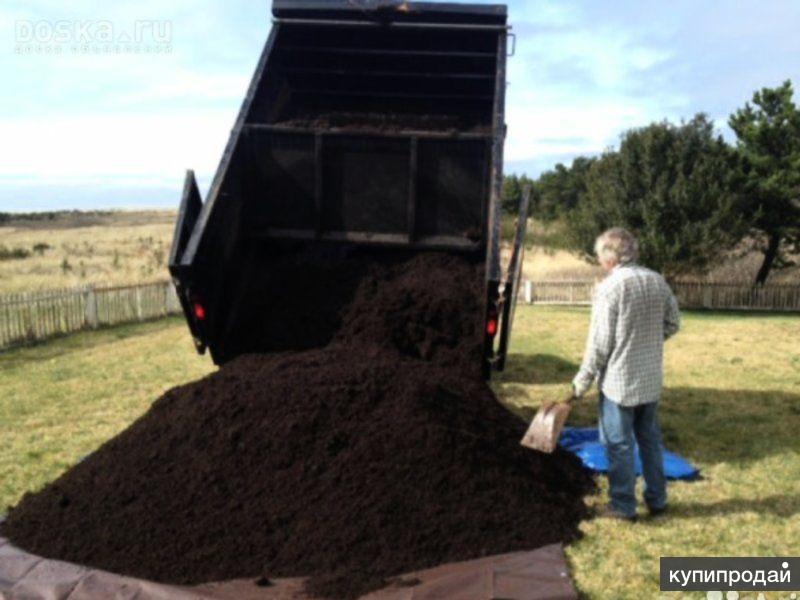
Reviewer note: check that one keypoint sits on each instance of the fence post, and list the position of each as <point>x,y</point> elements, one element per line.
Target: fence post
<point>528,291</point>
<point>707,296</point>
<point>90,316</point>
<point>173,303</point>
<point>164,299</point>
<point>30,327</point>
<point>137,296</point>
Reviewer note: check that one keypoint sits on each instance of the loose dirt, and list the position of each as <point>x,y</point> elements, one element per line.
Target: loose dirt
<point>387,122</point>
<point>380,453</point>
<point>427,306</point>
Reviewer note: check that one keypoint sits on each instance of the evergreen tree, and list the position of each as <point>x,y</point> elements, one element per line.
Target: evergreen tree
<point>769,151</point>
<point>672,186</point>
<point>560,190</point>
<point>512,193</point>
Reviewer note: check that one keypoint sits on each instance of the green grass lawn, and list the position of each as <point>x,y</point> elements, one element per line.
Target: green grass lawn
<point>60,400</point>
<point>732,405</point>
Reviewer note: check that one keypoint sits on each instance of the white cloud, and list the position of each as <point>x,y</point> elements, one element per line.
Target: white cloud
<point>584,72</point>
<point>537,127</point>
<point>574,87</point>
<point>192,86</point>
<point>119,119</point>
<point>137,148</point>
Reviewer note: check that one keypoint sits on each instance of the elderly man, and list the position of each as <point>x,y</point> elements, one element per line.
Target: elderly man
<point>634,311</point>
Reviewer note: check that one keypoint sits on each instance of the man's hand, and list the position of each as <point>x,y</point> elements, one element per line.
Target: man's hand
<point>579,389</point>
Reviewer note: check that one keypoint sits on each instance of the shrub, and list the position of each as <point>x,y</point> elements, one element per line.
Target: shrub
<point>7,253</point>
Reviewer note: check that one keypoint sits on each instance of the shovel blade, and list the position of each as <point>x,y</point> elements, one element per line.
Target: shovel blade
<point>545,429</point>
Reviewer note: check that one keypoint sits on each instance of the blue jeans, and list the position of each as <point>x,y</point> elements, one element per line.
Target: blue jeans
<point>621,427</point>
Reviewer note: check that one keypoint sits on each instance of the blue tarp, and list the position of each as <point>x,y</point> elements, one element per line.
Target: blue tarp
<point>584,442</point>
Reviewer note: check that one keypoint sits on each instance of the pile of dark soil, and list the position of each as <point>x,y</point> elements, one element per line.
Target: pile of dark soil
<point>427,306</point>
<point>378,454</point>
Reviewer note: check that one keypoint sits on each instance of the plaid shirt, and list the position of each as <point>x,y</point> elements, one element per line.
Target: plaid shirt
<point>633,312</point>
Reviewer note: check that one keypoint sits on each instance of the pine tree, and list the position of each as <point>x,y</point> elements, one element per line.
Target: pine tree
<point>672,186</point>
<point>769,153</point>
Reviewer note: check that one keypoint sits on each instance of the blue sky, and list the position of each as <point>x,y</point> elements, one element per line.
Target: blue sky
<point>86,130</point>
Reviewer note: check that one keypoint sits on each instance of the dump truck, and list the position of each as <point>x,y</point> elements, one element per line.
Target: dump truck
<point>366,124</point>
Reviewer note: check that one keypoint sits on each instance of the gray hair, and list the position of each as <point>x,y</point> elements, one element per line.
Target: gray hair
<point>617,244</point>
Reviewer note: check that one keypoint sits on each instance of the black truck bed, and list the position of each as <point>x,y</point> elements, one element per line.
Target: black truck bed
<point>366,124</point>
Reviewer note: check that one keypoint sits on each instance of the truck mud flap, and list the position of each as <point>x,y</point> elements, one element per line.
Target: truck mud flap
<point>189,211</point>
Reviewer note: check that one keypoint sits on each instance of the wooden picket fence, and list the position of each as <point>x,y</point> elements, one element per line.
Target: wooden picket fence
<point>35,316</point>
<point>32,317</point>
<point>691,295</point>
<point>569,293</point>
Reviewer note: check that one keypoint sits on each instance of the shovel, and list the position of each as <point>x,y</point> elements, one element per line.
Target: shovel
<point>543,433</point>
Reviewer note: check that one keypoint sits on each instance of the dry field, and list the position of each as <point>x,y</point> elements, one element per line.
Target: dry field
<point>80,249</point>
<point>117,248</point>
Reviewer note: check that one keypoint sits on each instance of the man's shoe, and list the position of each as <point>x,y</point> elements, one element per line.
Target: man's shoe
<point>656,512</point>
<point>609,512</point>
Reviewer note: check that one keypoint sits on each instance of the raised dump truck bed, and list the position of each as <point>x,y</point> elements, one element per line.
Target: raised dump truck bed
<point>366,124</point>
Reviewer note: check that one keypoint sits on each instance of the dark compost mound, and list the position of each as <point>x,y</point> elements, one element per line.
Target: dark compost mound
<point>427,306</point>
<point>378,454</point>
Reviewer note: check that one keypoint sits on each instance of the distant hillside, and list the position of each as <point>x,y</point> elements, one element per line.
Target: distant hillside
<point>76,218</point>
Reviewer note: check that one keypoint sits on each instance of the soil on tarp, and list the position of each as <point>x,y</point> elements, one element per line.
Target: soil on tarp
<point>378,454</point>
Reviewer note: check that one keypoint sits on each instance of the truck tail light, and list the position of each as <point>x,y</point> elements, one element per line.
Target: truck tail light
<point>199,311</point>
<point>491,327</point>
